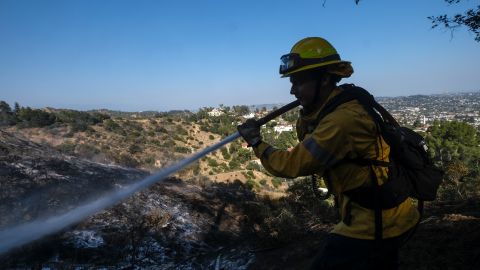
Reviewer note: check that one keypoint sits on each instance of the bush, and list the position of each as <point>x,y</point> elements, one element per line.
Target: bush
<point>87,151</point>
<point>135,148</point>
<point>35,118</point>
<point>169,143</point>
<point>161,130</point>
<point>149,160</point>
<point>180,130</point>
<point>234,164</point>
<point>251,184</point>
<point>112,126</point>
<point>212,162</point>
<point>78,126</point>
<point>182,149</point>
<point>243,155</point>
<point>126,160</point>
<point>178,138</point>
<point>67,147</point>
<point>254,166</point>
<point>276,182</point>
<point>225,153</point>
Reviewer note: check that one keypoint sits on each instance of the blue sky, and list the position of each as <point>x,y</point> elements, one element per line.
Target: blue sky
<point>163,55</point>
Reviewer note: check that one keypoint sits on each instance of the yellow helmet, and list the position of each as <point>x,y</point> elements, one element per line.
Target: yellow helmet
<point>314,52</point>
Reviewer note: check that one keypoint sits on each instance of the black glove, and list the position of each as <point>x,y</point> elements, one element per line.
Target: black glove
<point>250,132</point>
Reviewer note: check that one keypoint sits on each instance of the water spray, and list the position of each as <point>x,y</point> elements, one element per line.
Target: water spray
<point>28,232</point>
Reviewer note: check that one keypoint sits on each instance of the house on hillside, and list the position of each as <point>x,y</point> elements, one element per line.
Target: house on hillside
<point>248,116</point>
<point>283,128</point>
<point>215,112</point>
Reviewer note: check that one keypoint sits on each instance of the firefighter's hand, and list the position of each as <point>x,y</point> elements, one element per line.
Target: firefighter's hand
<point>250,132</point>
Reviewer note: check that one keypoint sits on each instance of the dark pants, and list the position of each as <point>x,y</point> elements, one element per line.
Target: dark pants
<point>345,253</point>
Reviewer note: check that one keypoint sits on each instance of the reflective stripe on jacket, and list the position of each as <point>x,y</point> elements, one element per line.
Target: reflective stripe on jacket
<point>324,149</point>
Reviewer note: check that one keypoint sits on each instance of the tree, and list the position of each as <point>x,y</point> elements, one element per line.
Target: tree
<point>6,115</point>
<point>241,110</point>
<point>4,107</point>
<point>16,108</point>
<point>470,19</point>
<point>28,117</point>
<point>453,140</point>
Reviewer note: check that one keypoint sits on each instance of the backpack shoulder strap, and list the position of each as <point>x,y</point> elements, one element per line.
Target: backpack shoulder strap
<point>349,93</point>
<point>343,97</point>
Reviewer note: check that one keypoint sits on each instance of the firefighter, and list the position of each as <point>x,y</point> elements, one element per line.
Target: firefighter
<point>329,149</point>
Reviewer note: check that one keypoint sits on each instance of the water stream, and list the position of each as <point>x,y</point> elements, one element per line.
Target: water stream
<point>27,232</point>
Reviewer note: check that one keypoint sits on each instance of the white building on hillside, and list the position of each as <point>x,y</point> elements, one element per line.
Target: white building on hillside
<point>248,116</point>
<point>283,128</point>
<point>215,112</point>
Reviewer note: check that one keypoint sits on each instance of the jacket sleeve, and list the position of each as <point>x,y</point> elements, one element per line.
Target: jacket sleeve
<point>323,148</point>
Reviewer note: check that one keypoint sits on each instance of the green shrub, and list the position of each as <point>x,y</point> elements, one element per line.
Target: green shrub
<point>251,184</point>
<point>276,182</point>
<point>149,160</point>
<point>182,149</point>
<point>135,148</point>
<point>212,162</point>
<point>126,160</point>
<point>67,147</point>
<point>111,125</point>
<point>28,117</point>
<point>225,153</point>
<point>243,155</point>
<point>254,166</point>
<point>161,130</point>
<point>169,143</point>
<point>87,150</point>
<point>180,130</point>
<point>234,164</point>
<point>78,126</point>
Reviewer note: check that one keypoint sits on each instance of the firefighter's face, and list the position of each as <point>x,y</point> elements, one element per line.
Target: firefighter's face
<point>304,88</point>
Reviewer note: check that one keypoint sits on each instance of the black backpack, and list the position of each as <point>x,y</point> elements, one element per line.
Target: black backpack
<point>411,172</point>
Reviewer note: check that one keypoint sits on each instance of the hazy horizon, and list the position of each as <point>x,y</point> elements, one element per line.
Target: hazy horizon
<point>215,106</point>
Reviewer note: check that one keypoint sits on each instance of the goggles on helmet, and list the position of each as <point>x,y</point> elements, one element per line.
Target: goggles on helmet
<point>292,61</point>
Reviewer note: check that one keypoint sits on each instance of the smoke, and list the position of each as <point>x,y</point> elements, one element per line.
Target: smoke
<point>25,233</point>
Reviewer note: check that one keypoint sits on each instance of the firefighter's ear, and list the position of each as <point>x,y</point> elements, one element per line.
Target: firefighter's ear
<point>326,79</point>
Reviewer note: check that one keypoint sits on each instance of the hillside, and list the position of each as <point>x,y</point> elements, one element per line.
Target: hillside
<point>180,225</point>
<point>150,141</point>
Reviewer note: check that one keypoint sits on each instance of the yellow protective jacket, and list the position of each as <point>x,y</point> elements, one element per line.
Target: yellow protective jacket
<point>346,133</point>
